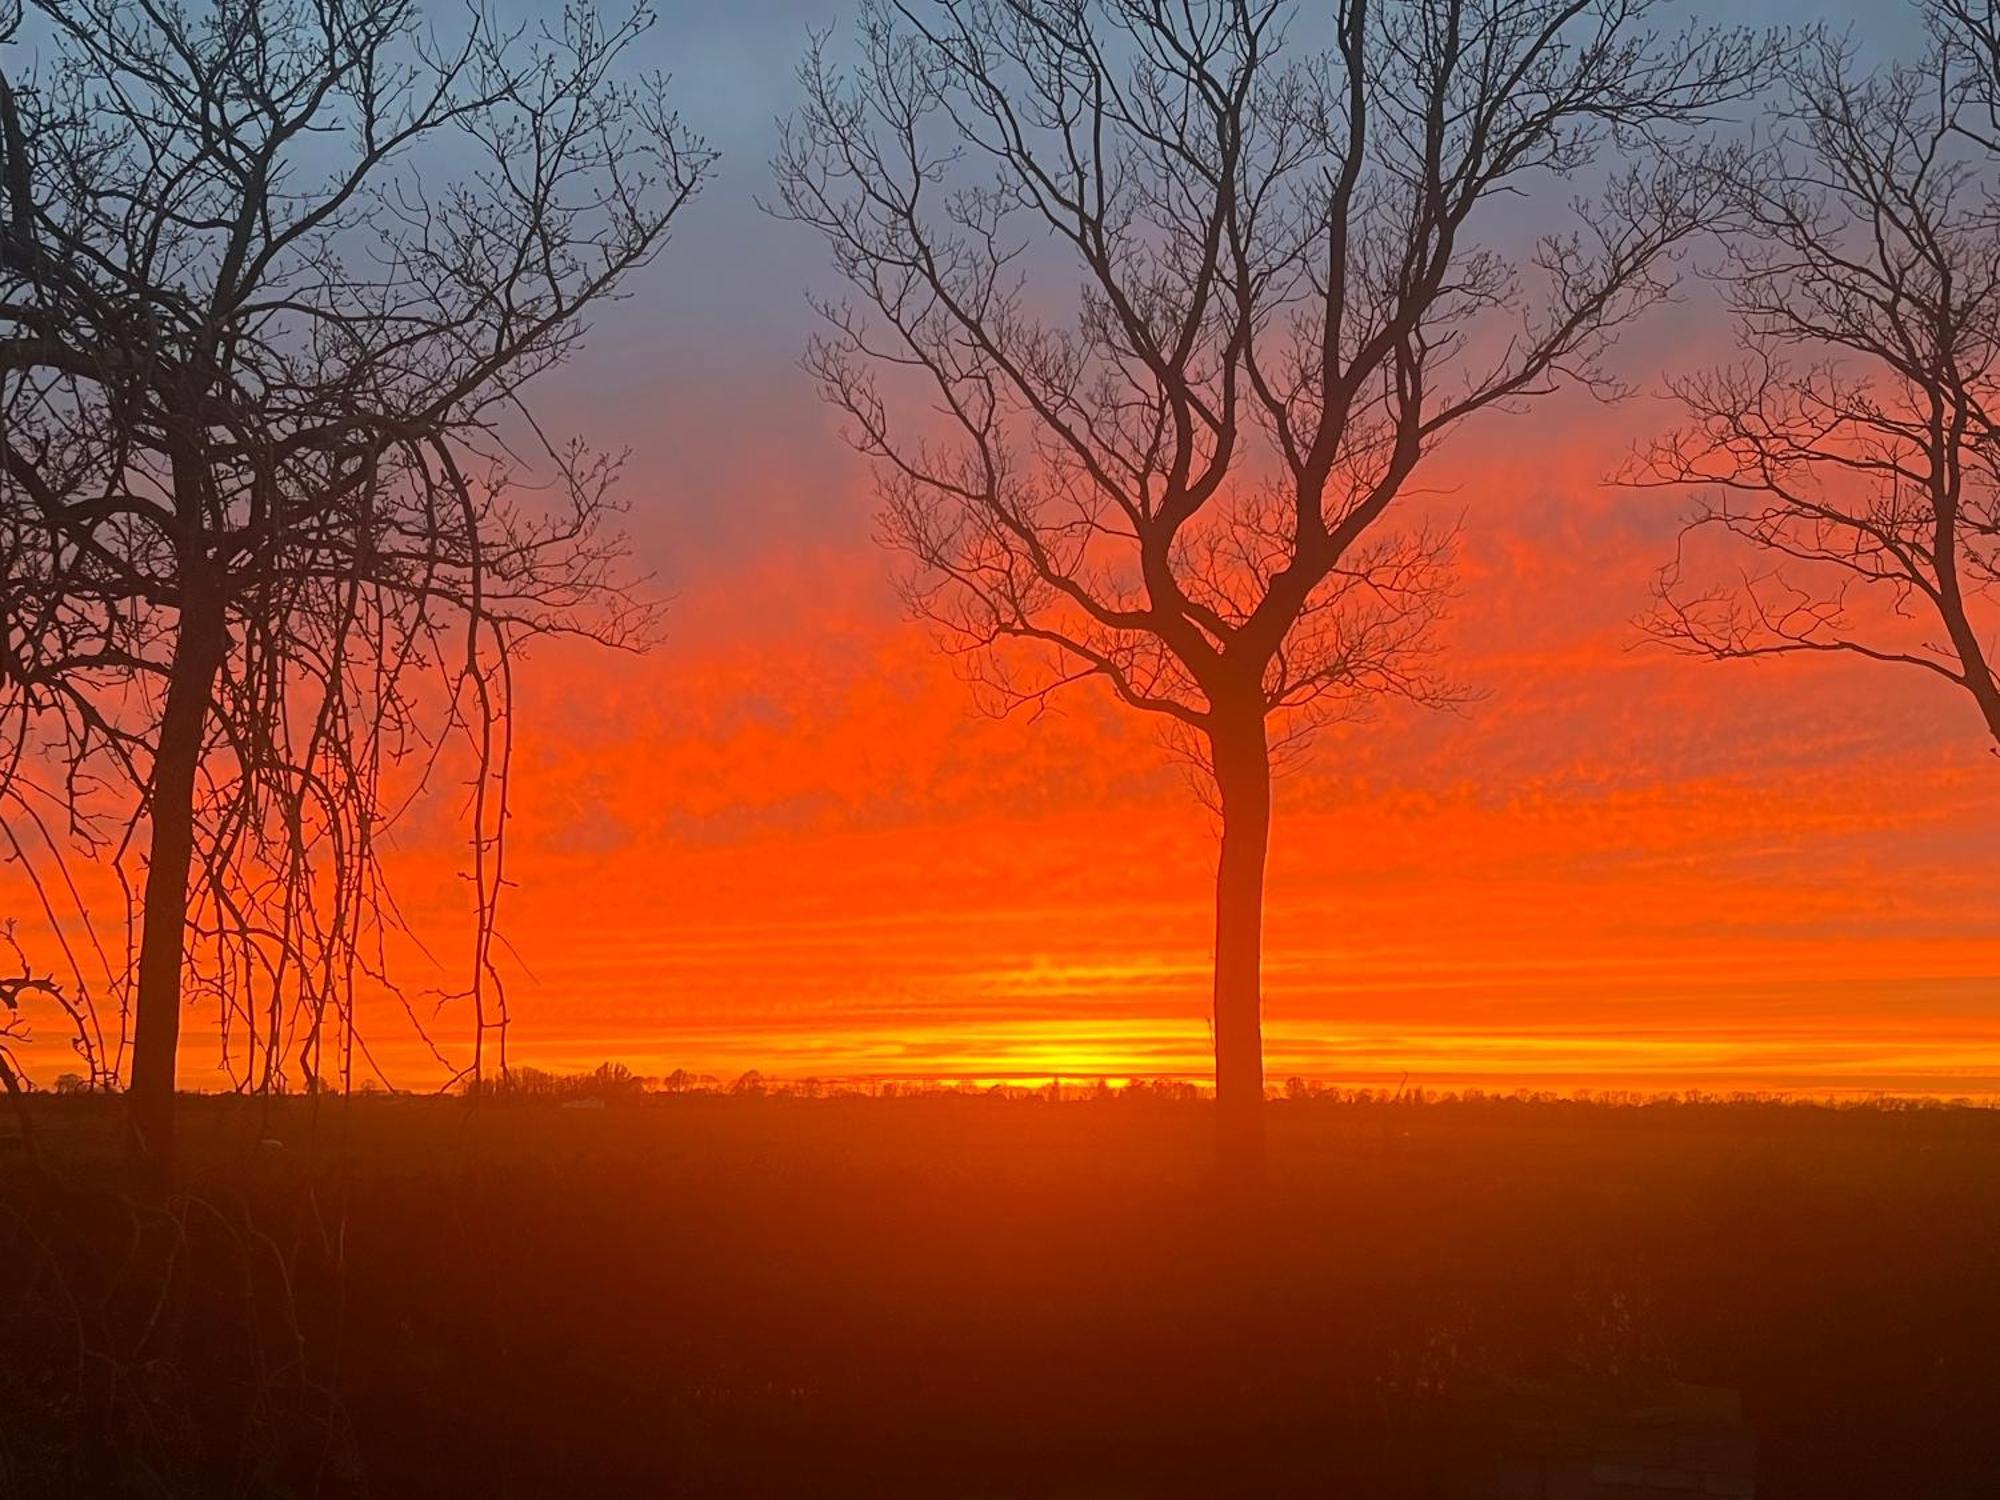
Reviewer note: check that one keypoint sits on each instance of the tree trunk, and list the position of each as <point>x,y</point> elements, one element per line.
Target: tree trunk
<point>1978,675</point>
<point>1977,671</point>
<point>1243,780</point>
<point>163,932</point>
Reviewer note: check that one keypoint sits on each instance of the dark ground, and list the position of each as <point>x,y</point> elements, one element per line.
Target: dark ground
<point>952,1296</point>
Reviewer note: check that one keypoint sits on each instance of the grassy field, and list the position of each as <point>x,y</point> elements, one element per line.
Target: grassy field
<point>963,1296</point>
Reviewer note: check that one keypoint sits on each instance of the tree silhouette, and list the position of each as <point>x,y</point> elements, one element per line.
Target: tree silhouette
<point>276,274</point>
<point>1852,453</point>
<point>1291,236</point>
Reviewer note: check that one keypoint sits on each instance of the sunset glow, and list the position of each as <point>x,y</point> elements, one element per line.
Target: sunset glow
<point>785,839</point>
<point>929,749</point>
<point>805,854</point>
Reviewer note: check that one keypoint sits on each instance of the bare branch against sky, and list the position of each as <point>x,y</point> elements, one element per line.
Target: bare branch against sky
<point>276,278</point>
<point>1288,229</point>
<point>1850,455</point>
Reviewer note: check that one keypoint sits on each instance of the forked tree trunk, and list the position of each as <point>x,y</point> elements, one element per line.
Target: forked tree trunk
<point>1243,781</point>
<point>163,931</point>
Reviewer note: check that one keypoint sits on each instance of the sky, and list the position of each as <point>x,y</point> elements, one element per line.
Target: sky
<point>786,840</point>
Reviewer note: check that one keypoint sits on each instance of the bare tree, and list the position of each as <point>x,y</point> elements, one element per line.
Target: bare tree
<point>274,275</point>
<point>1293,240</point>
<point>1851,455</point>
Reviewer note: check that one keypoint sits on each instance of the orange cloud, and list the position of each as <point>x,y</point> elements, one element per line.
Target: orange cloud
<point>785,840</point>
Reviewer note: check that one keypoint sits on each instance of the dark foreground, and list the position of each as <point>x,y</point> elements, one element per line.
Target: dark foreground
<point>974,1297</point>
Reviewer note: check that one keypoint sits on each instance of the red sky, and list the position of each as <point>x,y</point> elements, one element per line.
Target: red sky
<point>784,839</point>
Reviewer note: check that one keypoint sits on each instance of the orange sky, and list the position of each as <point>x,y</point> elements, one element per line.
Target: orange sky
<point>785,841</point>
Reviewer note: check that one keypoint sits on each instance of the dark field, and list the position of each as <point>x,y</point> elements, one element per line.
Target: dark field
<point>978,1297</point>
